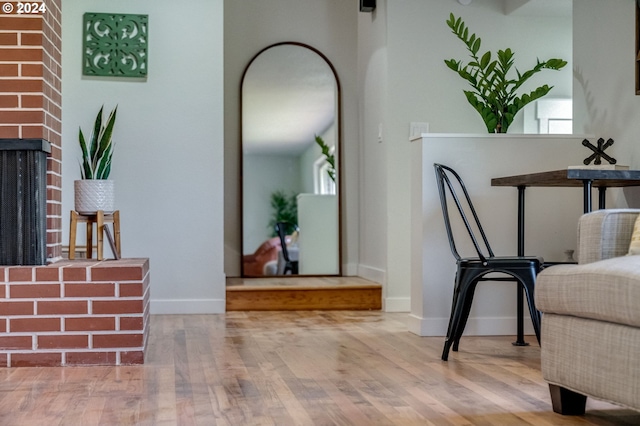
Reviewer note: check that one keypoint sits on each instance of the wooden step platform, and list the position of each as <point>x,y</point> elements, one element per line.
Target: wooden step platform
<point>303,293</point>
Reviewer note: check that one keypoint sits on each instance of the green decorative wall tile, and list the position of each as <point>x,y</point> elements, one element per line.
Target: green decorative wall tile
<point>115,45</point>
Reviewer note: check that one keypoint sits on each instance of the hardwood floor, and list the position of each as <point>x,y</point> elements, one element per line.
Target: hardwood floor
<point>302,293</point>
<point>297,368</point>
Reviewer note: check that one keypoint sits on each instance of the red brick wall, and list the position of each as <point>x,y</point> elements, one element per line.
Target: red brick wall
<point>52,124</point>
<point>74,313</point>
<point>31,96</point>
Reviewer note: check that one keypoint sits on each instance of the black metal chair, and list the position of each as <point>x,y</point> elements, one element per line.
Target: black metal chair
<point>471,270</point>
<point>290,266</point>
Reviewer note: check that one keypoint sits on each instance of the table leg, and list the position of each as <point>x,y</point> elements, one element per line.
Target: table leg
<point>602,197</point>
<point>587,195</point>
<point>520,298</point>
<point>521,220</point>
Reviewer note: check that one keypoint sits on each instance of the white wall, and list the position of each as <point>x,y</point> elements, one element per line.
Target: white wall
<point>168,157</point>
<point>327,25</point>
<point>372,102</point>
<point>605,102</point>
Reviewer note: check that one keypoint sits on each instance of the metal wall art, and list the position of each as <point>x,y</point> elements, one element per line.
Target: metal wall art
<point>115,45</point>
<point>598,152</point>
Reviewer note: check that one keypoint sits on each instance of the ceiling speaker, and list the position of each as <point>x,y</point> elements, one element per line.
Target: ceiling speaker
<point>367,5</point>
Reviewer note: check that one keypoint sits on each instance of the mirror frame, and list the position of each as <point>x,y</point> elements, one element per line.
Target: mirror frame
<point>340,151</point>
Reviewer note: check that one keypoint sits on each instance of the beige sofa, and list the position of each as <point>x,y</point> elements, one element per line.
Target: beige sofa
<point>590,335</point>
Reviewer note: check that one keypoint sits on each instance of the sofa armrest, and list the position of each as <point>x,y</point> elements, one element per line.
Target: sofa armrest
<point>604,234</point>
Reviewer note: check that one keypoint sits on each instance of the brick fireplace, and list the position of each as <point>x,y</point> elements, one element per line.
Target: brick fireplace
<point>31,97</point>
<point>63,312</point>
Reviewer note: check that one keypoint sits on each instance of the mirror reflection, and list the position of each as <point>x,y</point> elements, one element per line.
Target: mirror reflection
<point>290,172</point>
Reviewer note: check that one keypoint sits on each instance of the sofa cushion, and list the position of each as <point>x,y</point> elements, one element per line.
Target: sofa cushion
<point>604,234</point>
<point>634,246</point>
<point>608,290</point>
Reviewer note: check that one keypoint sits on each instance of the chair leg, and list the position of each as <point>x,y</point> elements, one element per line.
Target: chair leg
<point>533,311</point>
<point>460,312</point>
<point>456,315</point>
<point>449,337</point>
<point>448,341</point>
<point>528,281</point>
<point>466,309</point>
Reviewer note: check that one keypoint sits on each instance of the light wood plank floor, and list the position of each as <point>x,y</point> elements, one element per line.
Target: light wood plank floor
<point>297,368</point>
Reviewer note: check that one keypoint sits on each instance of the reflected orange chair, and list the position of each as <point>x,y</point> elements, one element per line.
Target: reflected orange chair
<point>253,264</point>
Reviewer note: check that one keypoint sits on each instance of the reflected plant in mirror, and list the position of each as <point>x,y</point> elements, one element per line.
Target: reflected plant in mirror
<point>331,159</point>
<point>285,209</point>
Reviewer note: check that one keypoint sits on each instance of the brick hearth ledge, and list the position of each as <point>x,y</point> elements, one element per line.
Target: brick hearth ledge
<point>79,312</point>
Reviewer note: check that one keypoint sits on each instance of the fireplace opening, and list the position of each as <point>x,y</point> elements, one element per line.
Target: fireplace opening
<point>23,201</point>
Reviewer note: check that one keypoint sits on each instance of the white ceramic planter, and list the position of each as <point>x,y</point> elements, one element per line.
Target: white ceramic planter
<point>92,195</point>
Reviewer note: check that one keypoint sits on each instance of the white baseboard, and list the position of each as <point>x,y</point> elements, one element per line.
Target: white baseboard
<point>187,306</point>
<point>475,326</point>
<point>397,304</point>
<point>379,276</point>
<point>372,274</point>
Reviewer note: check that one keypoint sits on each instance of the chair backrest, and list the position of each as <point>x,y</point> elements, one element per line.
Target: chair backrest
<point>448,182</point>
<point>281,230</point>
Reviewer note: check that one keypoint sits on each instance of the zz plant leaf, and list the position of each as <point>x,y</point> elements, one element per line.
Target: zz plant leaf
<point>331,159</point>
<point>493,91</point>
<point>98,152</point>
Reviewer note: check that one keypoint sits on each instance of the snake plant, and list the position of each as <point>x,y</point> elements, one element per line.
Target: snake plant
<point>97,154</point>
<point>493,92</point>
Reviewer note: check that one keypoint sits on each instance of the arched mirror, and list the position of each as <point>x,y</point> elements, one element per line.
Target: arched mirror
<point>290,104</point>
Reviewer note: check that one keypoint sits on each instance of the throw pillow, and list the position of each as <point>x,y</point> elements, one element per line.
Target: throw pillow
<point>634,247</point>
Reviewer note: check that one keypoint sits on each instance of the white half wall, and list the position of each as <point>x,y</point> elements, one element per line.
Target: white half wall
<point>551,216</point>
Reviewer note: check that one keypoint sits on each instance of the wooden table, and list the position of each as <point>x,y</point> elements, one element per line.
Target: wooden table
<point>585,178</point>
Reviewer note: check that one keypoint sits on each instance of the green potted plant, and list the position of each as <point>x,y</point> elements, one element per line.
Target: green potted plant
<point>331,159</point>
<point>285,209</point>
<point>494,92</point>
<point>95,191</point>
